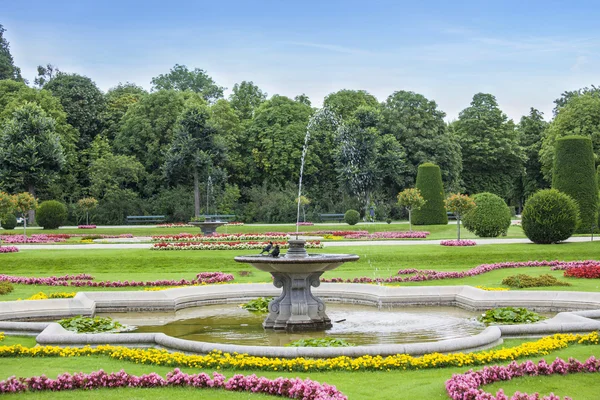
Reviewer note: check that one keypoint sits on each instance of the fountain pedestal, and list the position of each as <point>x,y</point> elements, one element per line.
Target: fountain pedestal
<point>297,309</point>
<point>208,227</point>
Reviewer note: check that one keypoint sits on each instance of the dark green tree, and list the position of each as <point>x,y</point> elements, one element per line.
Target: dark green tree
<point>579,116</point>
<point>182,79</point>
<point>45,74</point>
<point>575,175</point>
<point>419,127</point>
<point>531,131</point>
<point>345,102</point>
<point>195,151</point>
<point>429,183</point>
<point>30,151</point>
<point>8,69</point>
<point>82,101</point>
<point>118,101</point>
<point>245,98</point>
<point>302,98</point>
<point>491,155</point>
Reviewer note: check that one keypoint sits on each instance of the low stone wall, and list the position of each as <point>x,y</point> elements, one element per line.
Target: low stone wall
<point>587,305</point>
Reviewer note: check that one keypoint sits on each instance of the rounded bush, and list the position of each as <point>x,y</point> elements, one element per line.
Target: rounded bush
<point>352,217</point>
<point>6,287</point>
<point>574,174</point>
<point>549,216</point>
<point>490,217</point>
<point>429,183</point>
<point>9,222</point>
<point>51,214</point>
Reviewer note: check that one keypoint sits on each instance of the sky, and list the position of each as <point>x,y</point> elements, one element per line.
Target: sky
<point>525,52</point>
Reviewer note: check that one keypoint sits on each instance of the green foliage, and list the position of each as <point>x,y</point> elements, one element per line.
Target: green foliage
<point>429,183</point>
<point>579,116</point>
<point>245,98</point>
<point>30,150</point>
<point>532,130</point>
<point>271,204</point>
<point>260,305</point>
<point>9,222</point>
<point>7,204</point>
<point>51,214</point>
<point>509,315</point>
<point>574,174</point>
<point>6,287</point>
<point>418,124</point>
<point>491,155</point>
<point>118,100</point>
<point>8,69</point>
<point>182,79</point>
<point>490,218</point>
<point>527,281</point>
<point>549,216</point>
<point>176,204</point>
<point>81,324</point>
<point>351,217</point>
<point>344,103</point>
<point>321,342</point>
<point>25,202</point>
<point>82,101</point>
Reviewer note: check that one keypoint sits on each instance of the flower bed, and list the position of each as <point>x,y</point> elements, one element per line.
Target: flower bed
<point>175,225</point>
<point>390,235</point>
<point>335,233</point>
<point>222,360</point>
<point>467,386</point>
<point>304,223</point>
<point>86,226</point>
<point>458,243</point>
<point>83,280</point>
<point>420,275</point>
<point>8,249</point>
<point>294,388</point>
<point>36,238</point>
<point>235,223</point>
<point>57,295</point>
<point>315,244</point>
<point>588,271</point>
<point>2,336</point>
<point>221,237</point>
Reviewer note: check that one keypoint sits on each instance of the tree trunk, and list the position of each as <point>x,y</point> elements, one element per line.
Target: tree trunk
<point>196,195</point>
<point>458,224</point>
<point>31,213</point>
<point>410,219</point>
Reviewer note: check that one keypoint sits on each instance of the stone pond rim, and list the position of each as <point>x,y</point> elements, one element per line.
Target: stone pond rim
<point>297,309</point>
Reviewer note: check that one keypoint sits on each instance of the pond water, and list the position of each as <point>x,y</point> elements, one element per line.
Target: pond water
<point>361,325</point>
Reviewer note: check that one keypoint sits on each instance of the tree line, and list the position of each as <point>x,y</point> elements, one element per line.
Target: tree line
<point>183,149</point>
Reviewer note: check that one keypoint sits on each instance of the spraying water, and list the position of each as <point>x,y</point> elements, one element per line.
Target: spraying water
<point>322,115</point>
<point>209,189</point>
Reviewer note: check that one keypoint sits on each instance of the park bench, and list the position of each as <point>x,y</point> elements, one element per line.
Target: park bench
<point>451,215</point>
<point>331,217</point>
<point>131,219</point>
<point>220,217</point>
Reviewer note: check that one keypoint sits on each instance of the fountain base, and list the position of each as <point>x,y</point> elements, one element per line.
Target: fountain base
<point>297,310</point>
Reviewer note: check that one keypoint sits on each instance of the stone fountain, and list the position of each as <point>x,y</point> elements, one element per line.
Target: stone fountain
<point>297,309</point>
<point>209,226</point>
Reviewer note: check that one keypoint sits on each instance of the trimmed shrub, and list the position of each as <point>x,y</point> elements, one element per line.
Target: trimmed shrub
<point>352,217</point>
<point>429,183</point>
<point>9,222</point>
<point>574,175</point>
<point>549,216</point>
<point>527,281</point>
<point>490,217</point>
<point>6,287</point>
<point>51,214</point>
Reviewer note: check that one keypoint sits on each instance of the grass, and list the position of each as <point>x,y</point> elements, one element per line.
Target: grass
<point>423,384</point>
<point>437,231</point>
<point>376,261</point>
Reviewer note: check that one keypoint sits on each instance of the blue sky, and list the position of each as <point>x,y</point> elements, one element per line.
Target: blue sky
<point>524,52</point>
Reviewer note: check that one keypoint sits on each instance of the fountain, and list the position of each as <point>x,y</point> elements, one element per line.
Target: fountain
<point>297,309</point>
<point>209,226</point>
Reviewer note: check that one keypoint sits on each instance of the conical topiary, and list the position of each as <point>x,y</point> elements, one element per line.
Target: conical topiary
<point>429,183</point>
<point>574,174</point>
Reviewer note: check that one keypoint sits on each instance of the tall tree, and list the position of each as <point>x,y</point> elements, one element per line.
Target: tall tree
<point>30,151</point>
<point>345,102</point>
<point>8,69</point>
<point>230,128</point>
<point>45,74</point>
<point>196,149</point>
<point>118,101</point>
<point>580,116</point>
<point>82,101</point>
<point>568,95</point>
<point>182,79</point>
<point>245,98</point>
<point>419,127</point>
<point>531,131</point>
<point>491,154</point>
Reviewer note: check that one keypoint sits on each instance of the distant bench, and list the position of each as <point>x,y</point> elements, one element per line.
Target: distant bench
<point>451,215</point>
<point>331,217</point>
<point>220,217</point>
<point>145,218</point>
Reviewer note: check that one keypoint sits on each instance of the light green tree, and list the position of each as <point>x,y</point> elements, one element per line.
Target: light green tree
<point>411,199</point>
<point>245,98</point>
<point>86,205</point>
<point>24,204</point>
<point>459,204</point>
<point>182,79</point>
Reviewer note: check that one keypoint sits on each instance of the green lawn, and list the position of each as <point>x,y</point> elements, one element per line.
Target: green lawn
<point>376,261</point>
<point>423,384</point>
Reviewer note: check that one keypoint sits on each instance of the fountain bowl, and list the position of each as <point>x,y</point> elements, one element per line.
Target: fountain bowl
<point>297,309</point>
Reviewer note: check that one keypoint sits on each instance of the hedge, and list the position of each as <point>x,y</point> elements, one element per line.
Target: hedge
<point>51,214</point>
<point>491,217</point>
<point>574,174</point>
<point>9,222</point>
<point>429,183</point>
